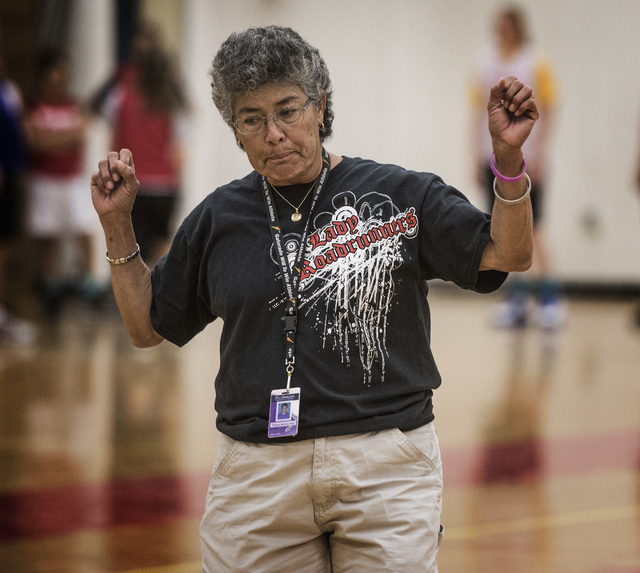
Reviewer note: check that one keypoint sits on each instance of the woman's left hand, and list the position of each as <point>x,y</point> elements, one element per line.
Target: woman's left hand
<point>512,113</point>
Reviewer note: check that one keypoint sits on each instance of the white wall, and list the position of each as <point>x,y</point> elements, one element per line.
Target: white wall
<point>400,70</point>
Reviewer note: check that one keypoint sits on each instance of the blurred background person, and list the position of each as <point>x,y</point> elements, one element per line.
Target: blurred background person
<point>12,163</point>
<point>636,316</point>
<point>513,53</point>
<point>58,206</point>
<point>146,107</point>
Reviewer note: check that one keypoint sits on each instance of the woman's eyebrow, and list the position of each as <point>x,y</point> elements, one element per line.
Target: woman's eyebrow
<point>280,103</point>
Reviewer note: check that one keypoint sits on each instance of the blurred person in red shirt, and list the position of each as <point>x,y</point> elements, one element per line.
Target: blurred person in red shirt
<point>146,107</point>
<point>58,206</point>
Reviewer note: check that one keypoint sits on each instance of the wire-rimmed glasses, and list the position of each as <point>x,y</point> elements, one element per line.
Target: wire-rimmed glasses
<point>288,116</point>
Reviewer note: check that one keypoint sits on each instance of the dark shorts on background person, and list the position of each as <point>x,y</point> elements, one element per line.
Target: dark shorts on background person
<point>536,195</point>
<point>151,218</point>
<point>9,213</point>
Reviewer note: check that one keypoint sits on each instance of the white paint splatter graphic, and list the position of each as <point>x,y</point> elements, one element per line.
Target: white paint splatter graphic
<point>347,283</point>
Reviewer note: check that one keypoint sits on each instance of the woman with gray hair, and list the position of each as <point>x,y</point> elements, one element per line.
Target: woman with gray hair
<point>318,265</point>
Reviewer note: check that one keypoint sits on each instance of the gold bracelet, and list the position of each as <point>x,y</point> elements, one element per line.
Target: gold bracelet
<point>123,260</point>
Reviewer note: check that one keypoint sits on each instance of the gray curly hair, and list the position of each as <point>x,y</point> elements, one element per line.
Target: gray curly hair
<point>258,56</point>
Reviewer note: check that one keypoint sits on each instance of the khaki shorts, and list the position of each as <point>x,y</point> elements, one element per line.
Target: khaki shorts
<point>364,502</point>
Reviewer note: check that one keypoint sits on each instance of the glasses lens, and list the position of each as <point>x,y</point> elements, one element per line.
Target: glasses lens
<point>250,125</point>
<point>289,115</point>
<point>253,124</point>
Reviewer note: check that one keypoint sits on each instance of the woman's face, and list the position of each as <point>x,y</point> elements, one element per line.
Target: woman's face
<point>284,155</point>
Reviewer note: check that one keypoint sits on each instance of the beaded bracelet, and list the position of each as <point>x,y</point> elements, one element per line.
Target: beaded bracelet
<point>513,201</point>
<point>502,177</point>
<point>123,260</point>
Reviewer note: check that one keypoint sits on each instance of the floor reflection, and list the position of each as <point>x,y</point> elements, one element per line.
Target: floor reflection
<point>90,433</point>
<point>513,447</point>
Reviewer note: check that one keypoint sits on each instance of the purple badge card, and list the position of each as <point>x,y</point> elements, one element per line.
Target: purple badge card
<point>284,411</point>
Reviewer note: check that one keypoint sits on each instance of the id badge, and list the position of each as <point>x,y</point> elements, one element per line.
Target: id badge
<point>284,411</point>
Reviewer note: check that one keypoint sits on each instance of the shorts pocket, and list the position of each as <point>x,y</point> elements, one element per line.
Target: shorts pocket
<point>423,444</point>
<point>228,451</point>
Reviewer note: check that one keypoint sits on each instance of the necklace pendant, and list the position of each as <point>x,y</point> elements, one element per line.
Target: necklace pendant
<point>295,217</point>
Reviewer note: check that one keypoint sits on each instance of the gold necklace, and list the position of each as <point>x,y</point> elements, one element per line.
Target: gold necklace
<point>296,216</point>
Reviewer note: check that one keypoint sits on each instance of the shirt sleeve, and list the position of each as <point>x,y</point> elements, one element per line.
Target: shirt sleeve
<point>546,84</point>
<point>475,96</point>
<point>453,236</point>
<point>179,308</point>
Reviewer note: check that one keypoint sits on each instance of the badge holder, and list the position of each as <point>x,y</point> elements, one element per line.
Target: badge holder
<point>284,413</point>
<point>284,406</point>
<point>284,409</point>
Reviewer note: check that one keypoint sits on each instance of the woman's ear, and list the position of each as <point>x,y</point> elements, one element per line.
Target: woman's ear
<point>321,108</point>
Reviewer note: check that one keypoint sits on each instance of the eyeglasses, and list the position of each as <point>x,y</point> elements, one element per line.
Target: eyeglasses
<point>285,117</point>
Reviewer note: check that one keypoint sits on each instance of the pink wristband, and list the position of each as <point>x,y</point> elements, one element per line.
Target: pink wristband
<point>502,177</point>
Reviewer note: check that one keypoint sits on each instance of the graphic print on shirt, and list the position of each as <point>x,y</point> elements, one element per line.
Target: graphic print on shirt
<point>347,285</point>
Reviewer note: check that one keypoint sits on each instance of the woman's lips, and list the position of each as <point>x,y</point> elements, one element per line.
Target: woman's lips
<point>281,156</point>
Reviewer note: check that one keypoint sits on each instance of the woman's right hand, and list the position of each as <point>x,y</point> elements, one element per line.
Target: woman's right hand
<point>114,186</point>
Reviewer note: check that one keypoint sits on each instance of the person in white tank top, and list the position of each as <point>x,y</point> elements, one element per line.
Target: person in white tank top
<point>513,53</point>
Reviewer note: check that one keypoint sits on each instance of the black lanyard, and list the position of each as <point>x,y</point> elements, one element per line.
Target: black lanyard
<point>291,279</point>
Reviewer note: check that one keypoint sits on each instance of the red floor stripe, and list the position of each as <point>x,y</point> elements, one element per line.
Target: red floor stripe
<point>539,459</point>
<point>145,501</point>
<point>63,510</point>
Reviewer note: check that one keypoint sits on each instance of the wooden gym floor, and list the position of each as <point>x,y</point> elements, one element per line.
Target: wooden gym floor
<point>105,451</point>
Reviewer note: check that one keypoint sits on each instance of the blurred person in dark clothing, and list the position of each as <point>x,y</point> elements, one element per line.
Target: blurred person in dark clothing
<point>12,163</point>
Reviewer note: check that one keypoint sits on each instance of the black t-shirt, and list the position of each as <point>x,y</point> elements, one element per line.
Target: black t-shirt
<point>378,233</point>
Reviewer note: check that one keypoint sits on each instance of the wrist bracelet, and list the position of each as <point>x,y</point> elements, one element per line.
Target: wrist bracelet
<point>123,260</point>
<point>519,199</point>
<point>502,177</point>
